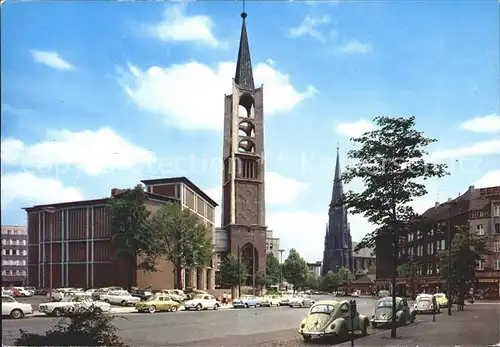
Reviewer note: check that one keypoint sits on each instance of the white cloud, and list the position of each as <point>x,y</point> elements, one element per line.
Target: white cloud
<point>163,91</point>
<point>52,59</point>
<point>490,179</point>
<point>356,47</point>
<point>176,27</point>
<point>355,129</point>
<point>36,190</point>
<point>485,124</point>
<point>94,152</point>
<point>308,27</point>
<point>477,149</point>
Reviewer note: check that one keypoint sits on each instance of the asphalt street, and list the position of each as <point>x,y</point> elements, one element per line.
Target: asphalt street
<point>223,327</point>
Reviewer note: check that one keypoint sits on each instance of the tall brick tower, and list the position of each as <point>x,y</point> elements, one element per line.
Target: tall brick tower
<point>243,200</point>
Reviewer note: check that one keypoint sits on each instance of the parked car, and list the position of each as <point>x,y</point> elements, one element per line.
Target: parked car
<point>425,304</point>
<point>32,290</point>
<point>7,291</point>
<point>441,299</point>
<point>383,312</point>
<point>191,293</point>
<point>142,294</point>
<point>157,303</point>
<point>14,309</point>
<point>246,302</point>
<point>202,302</point>
<point>72,304</point>
<point>285,300</point>
<point>330,318</point>
<point>41,291</point>
<point>119,297</point>
<point>96,294</point>
<point>59,293</point>
<point>301,301</point>
<point>270,300</point>
<point>355,294</point>
<point>21,292</point>
<point>176,294</point>
<point>383,293</point>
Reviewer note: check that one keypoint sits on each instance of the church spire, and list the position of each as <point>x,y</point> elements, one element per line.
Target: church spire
<point>244,76</point>
<point>338,189</point>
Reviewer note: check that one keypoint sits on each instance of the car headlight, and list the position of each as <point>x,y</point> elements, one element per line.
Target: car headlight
<point>332,326</point>
<point>302,325</point>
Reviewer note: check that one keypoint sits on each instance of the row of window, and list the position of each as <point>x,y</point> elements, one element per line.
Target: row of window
<point>14,262</point>
<point>480,229</point>
<point>435,247</point>
<point>14,252</point>
<point>11,242</point>
<point>496,265</point>
<point>484,214</point>
<point>14,232</point>
<point>13,272</point>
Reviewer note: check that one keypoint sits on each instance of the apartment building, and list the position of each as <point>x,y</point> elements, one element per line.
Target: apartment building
<point>363,260</point>
<point>14,255</point>
<point>478,208</point>
<point>315,269</point>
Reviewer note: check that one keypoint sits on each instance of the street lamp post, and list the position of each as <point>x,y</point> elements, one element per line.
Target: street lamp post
<point>281,267</point>
<point>51,211</point>
<point>253,261</point>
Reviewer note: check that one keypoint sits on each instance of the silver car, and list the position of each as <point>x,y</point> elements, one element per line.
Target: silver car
<point>301,301</point>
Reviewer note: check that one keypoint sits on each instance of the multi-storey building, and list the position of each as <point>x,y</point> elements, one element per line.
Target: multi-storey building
<point>315,269</point>
<point>477,208</point>
<point>14,255</point>
<point>272,244</point>
<point>363,260</point>
<point>70,244</point>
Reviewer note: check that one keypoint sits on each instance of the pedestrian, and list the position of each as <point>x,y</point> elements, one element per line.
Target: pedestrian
<point>224,298</point>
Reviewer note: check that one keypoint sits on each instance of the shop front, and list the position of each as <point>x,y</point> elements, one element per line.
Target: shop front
<point>487,289</point>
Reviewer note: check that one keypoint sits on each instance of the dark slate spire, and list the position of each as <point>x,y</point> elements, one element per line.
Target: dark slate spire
<point>338,188</point>
<point>244,76</point>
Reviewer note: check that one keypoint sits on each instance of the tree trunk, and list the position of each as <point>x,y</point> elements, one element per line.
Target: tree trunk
<point>178,275</point>
<point>394,280</point>
<point>131,272</point>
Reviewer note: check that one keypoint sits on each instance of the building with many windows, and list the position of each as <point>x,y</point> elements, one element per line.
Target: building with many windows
<point>71,244</point>
<point>477,208</point>
<point>315,269</point>
<point>363,260</point>
<point>272,244</point>
<point>14,255</point>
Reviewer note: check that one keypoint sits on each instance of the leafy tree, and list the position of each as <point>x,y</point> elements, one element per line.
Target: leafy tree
<point>390,162</point>
<point>345,278</point>
<point>185,240</point>
<point>86,329</point>
<point>261,280</point>
<point>295,269</point>
<point>133,235</point>
<point>273,269</point>
<point>409,270</point>
<point>228,272</point>
<point>466,250</point>
<point>329,282</point>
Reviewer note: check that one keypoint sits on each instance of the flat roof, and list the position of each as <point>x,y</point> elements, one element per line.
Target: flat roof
<point>184,180</point>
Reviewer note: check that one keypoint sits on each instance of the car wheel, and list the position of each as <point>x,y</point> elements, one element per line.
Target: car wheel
<point>16,314</point>
<point>97,310</point>
<point>301,305</point>
<point>198,307</point>
<point>246,305</point>
<point>173,308</point>
<point>257,305</point>
<point>307,338</point>
<point>152,309</point>
<point>364,329</point>
<point>106,300</point>
<point>123,303</point>
<point>56,312</point>
<point>216,307</point>
<point>374,325</point>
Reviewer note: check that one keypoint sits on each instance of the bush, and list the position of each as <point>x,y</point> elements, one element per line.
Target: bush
<point>89,328</point>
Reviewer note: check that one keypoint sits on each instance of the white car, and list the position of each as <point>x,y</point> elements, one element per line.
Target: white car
<point>60,293</point>
<point>7,292</point>
<point>119,297</point>
<point>175,294</point>
<point>71,304</point>
<point>21,291</point>
<point>301,301</point>
<point>285,300</point>
<point>355,294</point>
<point>14,309</point>
<point>201,302</point>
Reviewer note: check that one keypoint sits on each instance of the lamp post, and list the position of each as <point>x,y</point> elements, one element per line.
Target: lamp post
<point>51,211</point>
<point>281,267</point>
<point>239,273</point>
<point>253,260</point>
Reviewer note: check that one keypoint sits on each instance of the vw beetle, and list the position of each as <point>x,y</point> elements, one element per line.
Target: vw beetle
<point>383,312</point>
<point>330,318</point>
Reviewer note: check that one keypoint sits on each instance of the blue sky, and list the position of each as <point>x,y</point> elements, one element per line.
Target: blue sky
<point>97,95</point>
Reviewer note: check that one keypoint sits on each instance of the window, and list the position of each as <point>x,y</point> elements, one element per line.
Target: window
<point>25,252</point>
<point>11,242</point>
<point>438,269</point>
<point>4,252</point>
<point>410,237</point>
<point>496,210</point>
<point>24,242</point>
<point>23,262</point>
<point>17,252</point>
<point>429,268</point>
<point>497,247</point>
<point>480,265</point>
<point>431,232</point>
<point>497,264</point>
<point>443,245</point>
<point>4,241</point>
<point>430,248</point>
<point>4,272</point>
<point>480,229</point>
<point>497,228</point>
<point>23,272</point>
<point>17,242</point>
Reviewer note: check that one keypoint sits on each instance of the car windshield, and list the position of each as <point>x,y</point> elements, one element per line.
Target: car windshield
<point>424,300</point>
<point>440,296</point>
<point>198,297</point>
<point>322,308</point>
<point>151,298</point>
<point>385,303</point>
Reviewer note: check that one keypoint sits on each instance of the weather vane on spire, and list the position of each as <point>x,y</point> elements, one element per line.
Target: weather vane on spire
<point>243,14</point>
<point>337,147</point>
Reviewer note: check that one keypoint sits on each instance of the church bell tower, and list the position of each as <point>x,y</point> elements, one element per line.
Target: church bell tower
<point>243,193</point>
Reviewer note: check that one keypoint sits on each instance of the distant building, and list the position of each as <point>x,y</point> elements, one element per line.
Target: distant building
<point>71,244</point>
<point>272,244</point>
<point>14,255</point>
<point>363,260</point>
<point>314,269</point>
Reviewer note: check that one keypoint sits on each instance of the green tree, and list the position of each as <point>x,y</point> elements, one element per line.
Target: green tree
<point>409,269</point>
<point>228,272</point>
<point>345,278</point>
<point>390,162</point>
<point>273,269</point>
<point>295,269</point>
<point>133,235</point>
<point>466,250</point>
<point>185,240</point>
<point>329,282</point>
<point>261,280</point>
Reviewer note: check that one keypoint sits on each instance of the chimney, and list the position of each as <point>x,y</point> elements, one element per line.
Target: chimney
<point>471,189</point>
<point>449,199</point>
<point>116,191</point>
<point>436,204</point>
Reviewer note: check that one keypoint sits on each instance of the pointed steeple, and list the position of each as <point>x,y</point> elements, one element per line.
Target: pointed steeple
<point>244,75</point>
<point>338,188</point>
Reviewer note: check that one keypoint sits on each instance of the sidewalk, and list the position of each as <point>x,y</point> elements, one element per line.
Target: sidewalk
<point>477,325</point>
